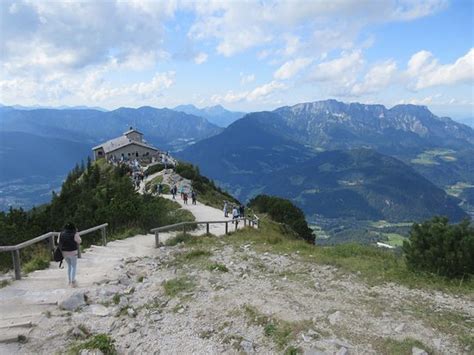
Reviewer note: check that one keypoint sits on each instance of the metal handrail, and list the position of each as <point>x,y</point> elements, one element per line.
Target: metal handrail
<point>15,249</point>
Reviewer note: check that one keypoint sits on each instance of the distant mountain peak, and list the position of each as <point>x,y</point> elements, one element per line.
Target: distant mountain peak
<point>217,114</point>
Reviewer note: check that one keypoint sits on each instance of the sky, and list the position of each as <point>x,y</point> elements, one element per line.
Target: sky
<point>244,55</point>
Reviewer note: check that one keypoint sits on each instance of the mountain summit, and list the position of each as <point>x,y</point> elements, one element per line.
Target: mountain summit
<point>217,115</point>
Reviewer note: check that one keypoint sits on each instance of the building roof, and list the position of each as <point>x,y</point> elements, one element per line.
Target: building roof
<point>120,142</point>
<point>132,130</point>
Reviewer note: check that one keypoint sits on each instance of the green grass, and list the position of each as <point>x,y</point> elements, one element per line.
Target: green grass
<point>395,239</point>
<point>4,283</point>
<point>430,157</point>
<point>150,186</point>
<point>103,342</point>
<point>39,260</point>
<point>176,286</point>
<point>194,254</point>
<point>116,298</point>
<point>180,238</point>
<point>375,265</point>
<point>402,347</point>
<point>280,331</point>
<point>450,322</point>
<point>218,267</point>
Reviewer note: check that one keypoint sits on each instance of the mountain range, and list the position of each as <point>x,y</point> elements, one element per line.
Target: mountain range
<point>408,146</point>
<point>217,115</point>
<point>331,158</point>
<point>165,128</point>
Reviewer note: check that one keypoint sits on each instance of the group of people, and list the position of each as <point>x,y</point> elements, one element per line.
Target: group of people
<point>237,211</point>
<point>184,194</point>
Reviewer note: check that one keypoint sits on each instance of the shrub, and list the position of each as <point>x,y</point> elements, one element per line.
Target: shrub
<point>100,341</point>
<point>39,260</point>
<point>218,267</point>
<point>284,211</point>
<point>155,168</point>
<point>174,286</point>
<point>440,248</point>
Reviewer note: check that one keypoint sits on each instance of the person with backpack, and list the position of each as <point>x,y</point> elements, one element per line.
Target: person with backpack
<point>193,197</point>
<point>185,198</point>
<point>235,216</point>
<point>174,190</point>
<point>69,241</point>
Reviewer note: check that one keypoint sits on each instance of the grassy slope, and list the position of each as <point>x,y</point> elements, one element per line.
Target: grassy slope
<point>370,265</point>
<point>375,265</point>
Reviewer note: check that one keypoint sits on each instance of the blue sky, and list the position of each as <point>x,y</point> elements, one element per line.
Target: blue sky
<point>244,55</point>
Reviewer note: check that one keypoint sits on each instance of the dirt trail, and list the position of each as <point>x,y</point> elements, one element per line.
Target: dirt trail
<point>23,303</point>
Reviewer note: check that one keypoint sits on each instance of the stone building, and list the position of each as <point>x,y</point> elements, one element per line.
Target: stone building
<point>129,146</point>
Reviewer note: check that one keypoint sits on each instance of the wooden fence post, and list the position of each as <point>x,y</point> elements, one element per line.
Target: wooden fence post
<point>157,240</point>
<point>184,229</point>
<point>245,222</point>
<point>226,227</point>
<point>51,246</point>
<point>16,264</point>
<point>79,254</point>
<point>207,228</point>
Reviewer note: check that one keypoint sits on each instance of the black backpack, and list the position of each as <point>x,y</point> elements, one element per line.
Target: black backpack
<point>58,256</point>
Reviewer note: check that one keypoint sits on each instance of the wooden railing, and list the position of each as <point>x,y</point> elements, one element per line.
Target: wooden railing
<point>15,249</point>
<point>184,226</point>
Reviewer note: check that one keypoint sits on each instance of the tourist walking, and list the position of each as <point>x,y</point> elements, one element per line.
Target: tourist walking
<point>235,216</point>
<point>225,209</point>
<point>69,241</point>
<point>174,190</point>
<point>193,197</point>
<point>242,211</point>
<point>185,198</point>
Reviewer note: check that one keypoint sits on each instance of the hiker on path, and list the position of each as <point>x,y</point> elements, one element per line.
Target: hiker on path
<point>174,190</point>
<point>225,209</point>
<point>193,196</point>
<point>185,198</point>
<point>235,216</point>
<point>69,241</point>
<point>159,189</point>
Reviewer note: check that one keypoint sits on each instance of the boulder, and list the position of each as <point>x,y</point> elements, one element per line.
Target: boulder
<point>418,351</point>
<point>335,318</point>
<point>247,346</point>
<point>99,310</point>
<point>73,302</point>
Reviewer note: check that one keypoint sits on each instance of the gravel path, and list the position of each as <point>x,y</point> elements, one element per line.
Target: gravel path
<point>23,303</point>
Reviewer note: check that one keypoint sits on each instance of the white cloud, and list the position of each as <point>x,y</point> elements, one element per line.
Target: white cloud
<point>200,58</point>
<point>240,25</point>
<point>83,87</point>
<point>260,93</point>
<point>265,90</point>
<point>342,70</point>
<point>293,45</point>
<point>378,77</point>
<point>246,79</point>
<point>425,70</point>
<point>291,68</point>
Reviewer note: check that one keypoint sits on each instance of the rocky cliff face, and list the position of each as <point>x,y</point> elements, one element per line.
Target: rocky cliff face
<point>316,121</point>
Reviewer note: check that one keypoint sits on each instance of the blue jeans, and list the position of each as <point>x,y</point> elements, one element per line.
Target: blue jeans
<point>71,267</point>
